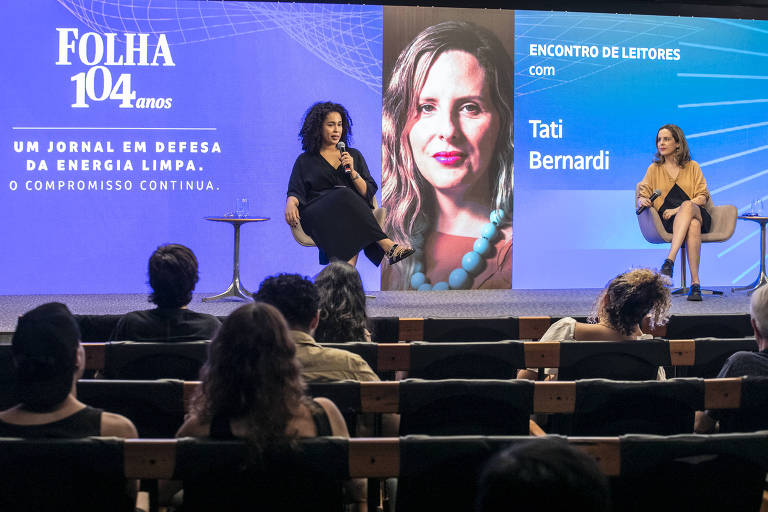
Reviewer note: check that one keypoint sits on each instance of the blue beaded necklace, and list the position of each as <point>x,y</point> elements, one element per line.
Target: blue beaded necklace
<point>471,263</point>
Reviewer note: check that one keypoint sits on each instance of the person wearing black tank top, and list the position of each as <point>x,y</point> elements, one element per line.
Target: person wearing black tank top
<point>49,360</point>
<point>252,389</point>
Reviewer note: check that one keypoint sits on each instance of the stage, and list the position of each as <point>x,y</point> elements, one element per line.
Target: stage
<point>411,304</point>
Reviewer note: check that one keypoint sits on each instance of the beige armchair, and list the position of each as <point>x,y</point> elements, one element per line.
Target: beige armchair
<point>304,239</point>
<point>723,226</point>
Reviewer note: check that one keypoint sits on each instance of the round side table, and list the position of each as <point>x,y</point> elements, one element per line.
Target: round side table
<point>762,279</point>
<point>235,289</point>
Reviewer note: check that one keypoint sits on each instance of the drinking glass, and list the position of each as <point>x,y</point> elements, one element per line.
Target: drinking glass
<point>241,207</point>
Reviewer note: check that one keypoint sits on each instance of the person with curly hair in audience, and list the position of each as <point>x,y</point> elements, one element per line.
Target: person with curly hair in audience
<point>298,299</point>
<point>172,276</point>
<point>342,304</point>
<point>620,310</point>
<point>252,389</point>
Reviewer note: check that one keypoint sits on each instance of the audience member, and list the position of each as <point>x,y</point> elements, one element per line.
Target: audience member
<point>172,276</point>
<point>252,387</point>
<point>542,474</point>
<point>619,310</point>
<point>743,363</point>
<point>342,304</point>
<point>48,360</point>
<point>298,300</point>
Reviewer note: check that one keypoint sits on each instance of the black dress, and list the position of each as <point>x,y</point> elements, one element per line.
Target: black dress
<point>675,197</point>
<point>332,212</point>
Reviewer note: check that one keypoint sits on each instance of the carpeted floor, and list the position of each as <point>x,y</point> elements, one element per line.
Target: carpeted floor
<point>451,304</point>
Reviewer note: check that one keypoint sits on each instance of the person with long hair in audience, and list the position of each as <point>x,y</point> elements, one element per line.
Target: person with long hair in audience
<point>681,204</point>
<point>620,310</point>
<point>342,304</point>
<point>447,159</point>
<point>251,388</point>
<point>330,192</point>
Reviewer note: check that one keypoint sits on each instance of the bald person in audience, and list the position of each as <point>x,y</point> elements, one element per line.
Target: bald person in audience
<point>743,363</point>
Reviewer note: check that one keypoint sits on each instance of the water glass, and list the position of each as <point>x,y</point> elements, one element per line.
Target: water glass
<point>241,207</point>
<point>757,207</point>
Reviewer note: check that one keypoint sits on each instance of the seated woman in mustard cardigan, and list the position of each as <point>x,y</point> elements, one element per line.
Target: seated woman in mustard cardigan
<point>681,203</point>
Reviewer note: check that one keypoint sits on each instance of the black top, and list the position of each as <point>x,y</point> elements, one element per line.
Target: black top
<point>84,423</point>
<point>745,363</point>
<point>312,176</point>
<point>675,197</point>
<point>740,364</point>
<point>220,428</point>
<point>160,324</point>
<point>333,213</point>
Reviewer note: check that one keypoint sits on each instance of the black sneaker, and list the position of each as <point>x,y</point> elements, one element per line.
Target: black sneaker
<point>695,292</point>
<point>668,267</point>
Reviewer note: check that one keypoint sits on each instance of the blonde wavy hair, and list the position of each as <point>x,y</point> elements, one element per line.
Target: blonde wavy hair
<point>408,197</point>
<point>632,296</point>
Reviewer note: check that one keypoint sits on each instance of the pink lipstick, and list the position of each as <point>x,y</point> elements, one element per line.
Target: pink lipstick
<point>448,157</point>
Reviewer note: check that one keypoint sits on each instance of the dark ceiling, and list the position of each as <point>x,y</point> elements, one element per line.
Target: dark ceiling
<point>748,9</point>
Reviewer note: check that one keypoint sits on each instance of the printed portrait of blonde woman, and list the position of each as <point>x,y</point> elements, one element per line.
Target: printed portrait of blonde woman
<point>447,159</point>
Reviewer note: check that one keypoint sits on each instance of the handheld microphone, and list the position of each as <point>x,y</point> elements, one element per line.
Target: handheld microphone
<point>342,148</point>
<point>656,193</point>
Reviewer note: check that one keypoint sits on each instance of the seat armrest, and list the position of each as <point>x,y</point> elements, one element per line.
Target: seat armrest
<point>723,223</point>
<point>301,237</point>
<point>652,228</point>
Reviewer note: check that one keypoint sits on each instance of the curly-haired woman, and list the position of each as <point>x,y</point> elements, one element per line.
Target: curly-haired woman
<point>619,311</point>
<point>330,192</point>
<point>252,389</point>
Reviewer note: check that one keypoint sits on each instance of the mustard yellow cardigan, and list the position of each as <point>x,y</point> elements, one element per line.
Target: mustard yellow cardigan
<point>690,179</point>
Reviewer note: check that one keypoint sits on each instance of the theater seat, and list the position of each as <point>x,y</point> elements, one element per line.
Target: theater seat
<point>711,353</point>
<point>752,414</point>
<point>442,473</point>
<point>221,475</point>
<point>465,407</point>
<point>478,360</point>
<point>44,475</point>
<point>616,360</point>
<point>701,473</point>
<point>156,407</point>
<point>613,408</point>
<point>144,360</point>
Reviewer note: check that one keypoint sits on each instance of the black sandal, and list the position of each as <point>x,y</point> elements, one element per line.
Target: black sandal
<point>397,253</point>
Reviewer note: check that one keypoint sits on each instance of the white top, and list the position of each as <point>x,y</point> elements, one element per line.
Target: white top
<point>564,329</point>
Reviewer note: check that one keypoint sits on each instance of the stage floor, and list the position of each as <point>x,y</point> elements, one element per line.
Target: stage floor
<point>447,304</point>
